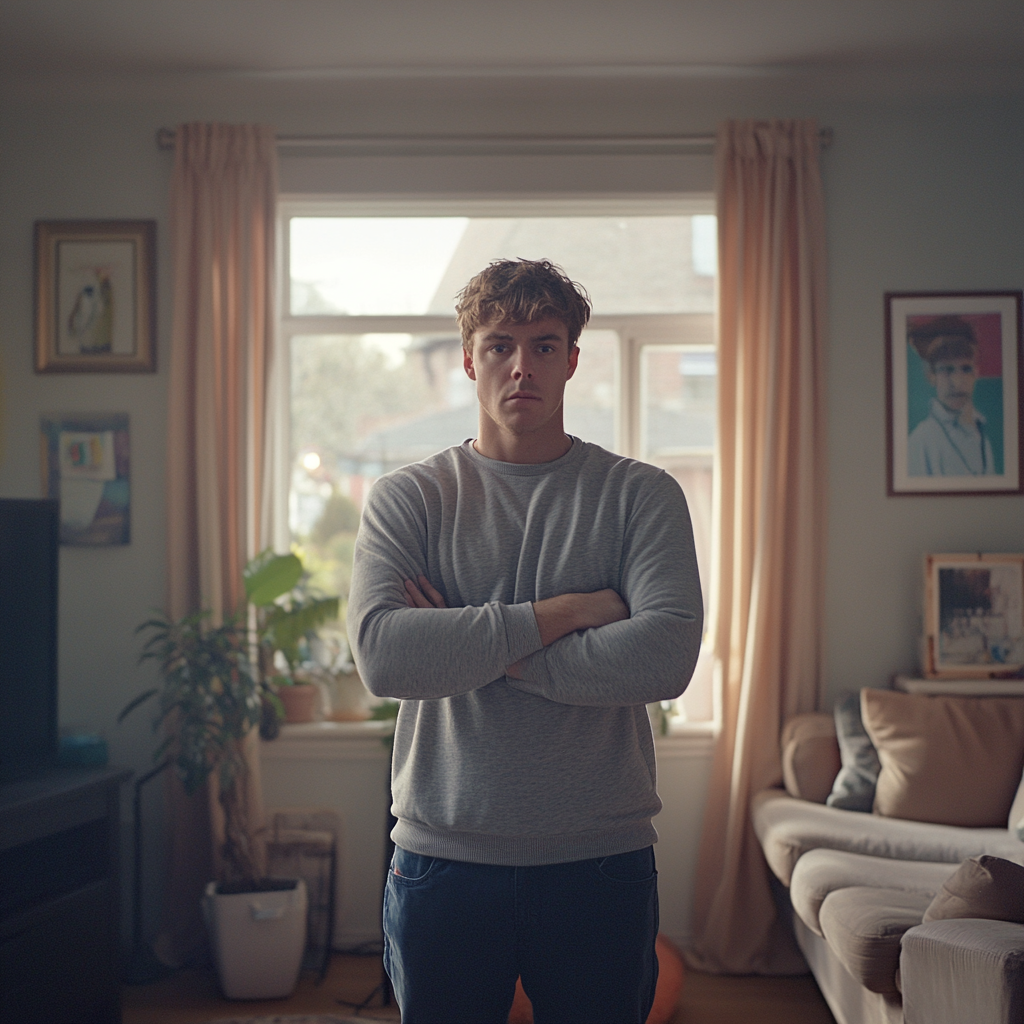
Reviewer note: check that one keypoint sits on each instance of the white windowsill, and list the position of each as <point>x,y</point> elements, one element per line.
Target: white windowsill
<point>364,739</point>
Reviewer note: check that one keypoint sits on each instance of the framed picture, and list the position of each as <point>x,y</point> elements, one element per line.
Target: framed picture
<point>974,616</point>
<point>86,466</point>
<point>954,386</point>
<point>95,296</point>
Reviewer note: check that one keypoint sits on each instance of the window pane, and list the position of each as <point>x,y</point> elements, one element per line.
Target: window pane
<point>363,405</point>
<point>677,427</point>
<point>368,266</point>
<point>591,396</point>
<point>388,266</point>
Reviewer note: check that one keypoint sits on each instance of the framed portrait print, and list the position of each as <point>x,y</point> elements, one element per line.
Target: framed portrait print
<point>954,386</point>
<point>95,296</point>
<point>974,616</point>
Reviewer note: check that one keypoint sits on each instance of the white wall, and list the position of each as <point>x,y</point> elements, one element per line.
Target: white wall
<point>920,195</point>
<point>920,198</point>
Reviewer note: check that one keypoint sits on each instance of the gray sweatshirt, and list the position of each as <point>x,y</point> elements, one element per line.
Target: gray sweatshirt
<point>558,766</point>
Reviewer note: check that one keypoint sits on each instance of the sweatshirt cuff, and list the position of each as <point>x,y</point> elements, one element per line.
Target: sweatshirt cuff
<point>521,631</point>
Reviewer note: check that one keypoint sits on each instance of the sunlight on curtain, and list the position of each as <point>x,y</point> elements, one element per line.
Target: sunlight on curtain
<point>768,556</point>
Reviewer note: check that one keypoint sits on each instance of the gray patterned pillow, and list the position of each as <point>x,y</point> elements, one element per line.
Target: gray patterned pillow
<point>854,788</point>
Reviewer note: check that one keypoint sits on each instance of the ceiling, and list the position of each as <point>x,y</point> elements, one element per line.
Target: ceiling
<point>56,47</point>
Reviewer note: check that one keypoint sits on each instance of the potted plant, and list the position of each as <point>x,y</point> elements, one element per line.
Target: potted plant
<point>287,616</point>
<point>210,699</point>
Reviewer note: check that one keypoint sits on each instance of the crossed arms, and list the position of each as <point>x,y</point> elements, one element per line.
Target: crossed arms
<point>604,648</point>
<point>556,616</point>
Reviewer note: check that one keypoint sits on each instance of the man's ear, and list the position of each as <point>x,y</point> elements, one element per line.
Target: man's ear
<point>467,364</point>
<point>574,358</point>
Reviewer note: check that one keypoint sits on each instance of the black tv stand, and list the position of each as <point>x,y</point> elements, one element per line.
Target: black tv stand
<point>60,922</point>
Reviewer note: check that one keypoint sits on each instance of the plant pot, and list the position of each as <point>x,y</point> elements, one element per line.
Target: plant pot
<point>300,701</point>
<point>258,939</point>
<point>350,699</point>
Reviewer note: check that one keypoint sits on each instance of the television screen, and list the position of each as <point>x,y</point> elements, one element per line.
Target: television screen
<point>28,635</point>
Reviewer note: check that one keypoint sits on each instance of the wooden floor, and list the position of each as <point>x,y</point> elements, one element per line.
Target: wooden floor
<point>192,997</point>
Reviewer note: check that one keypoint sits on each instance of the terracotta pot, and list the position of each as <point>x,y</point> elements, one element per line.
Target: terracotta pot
<point>300,701</point>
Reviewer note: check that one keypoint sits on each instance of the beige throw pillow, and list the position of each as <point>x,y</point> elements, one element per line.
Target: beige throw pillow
<point>810,756</point>
<point>981,887</point>
<point>948,760</point>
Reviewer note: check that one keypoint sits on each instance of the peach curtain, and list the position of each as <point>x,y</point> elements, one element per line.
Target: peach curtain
<point>219,443</point>
<point>768,556</point>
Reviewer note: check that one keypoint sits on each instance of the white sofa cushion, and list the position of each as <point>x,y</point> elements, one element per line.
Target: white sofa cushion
<point>821,872</point>
<point>788,828</point>
<point>863,926</point>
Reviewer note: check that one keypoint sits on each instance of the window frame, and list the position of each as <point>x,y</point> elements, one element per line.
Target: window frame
<point>636,331</point>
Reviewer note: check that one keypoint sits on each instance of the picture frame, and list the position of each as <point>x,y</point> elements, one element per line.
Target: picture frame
<point>974,616</point>
<point>86,467</point>
<point>968,439</point>
<point>95,296</point>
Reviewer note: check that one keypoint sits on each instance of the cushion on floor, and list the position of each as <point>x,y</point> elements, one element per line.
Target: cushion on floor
<point>863,926</point>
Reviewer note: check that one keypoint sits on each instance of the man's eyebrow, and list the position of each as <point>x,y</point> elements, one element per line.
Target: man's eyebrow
<point>497,336</point>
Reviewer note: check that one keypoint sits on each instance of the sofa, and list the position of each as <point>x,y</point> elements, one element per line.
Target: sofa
<point>910,908</point>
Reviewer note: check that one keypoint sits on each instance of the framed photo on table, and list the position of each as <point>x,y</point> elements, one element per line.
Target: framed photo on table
<point>954,386</point>
<point>974,616</point>
<point>95,296</point>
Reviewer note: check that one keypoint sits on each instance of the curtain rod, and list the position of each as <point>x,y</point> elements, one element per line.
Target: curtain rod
<point>486,145</point>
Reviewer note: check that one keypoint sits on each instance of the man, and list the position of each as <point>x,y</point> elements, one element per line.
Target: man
<point>951,439</point>
<point>525,595</point>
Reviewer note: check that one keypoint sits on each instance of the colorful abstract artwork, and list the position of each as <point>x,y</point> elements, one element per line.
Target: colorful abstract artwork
<point>86,467</point>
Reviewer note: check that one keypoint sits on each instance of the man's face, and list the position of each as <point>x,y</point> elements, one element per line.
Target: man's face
<point>520,372</point>
<point>953,380</point>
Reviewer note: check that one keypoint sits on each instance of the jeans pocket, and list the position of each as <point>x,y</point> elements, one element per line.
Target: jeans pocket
<point>410,867</point>
<point>635,866</point>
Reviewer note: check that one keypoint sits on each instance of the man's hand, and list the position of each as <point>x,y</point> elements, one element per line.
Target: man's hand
<point>559,616</point>
<point>562,615</point>
<point>422,594</point>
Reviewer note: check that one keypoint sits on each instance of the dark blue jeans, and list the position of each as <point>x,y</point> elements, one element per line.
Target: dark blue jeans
<point>581,936</point>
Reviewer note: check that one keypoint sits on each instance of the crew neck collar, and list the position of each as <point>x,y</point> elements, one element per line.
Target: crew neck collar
<point>525,468</point>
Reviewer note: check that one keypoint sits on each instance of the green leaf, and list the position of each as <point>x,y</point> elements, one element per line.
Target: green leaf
<point>268,576</point>
<point>132,705</point>
<point>285,627</point>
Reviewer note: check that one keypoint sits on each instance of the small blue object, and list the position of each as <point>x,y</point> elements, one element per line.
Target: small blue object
<point>82,751</point>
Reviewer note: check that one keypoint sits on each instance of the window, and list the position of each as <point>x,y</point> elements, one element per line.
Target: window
<point>376,358</point>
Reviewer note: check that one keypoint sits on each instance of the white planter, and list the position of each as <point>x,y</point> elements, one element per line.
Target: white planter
<point>258,939</point>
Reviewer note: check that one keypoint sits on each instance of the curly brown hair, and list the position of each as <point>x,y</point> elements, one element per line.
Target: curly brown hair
<point>520,292</point>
